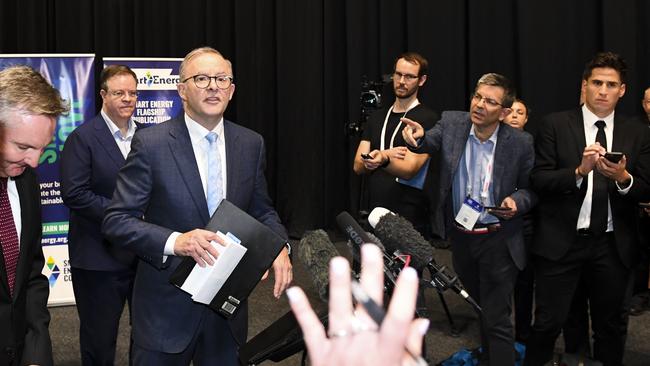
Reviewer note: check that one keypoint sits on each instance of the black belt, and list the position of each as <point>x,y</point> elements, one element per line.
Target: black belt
<point>588,233</point>
<point>480,228</point>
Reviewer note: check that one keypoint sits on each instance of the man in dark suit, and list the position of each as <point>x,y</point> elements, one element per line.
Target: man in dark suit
<point>29,106</point>
<point>172,181</point>
<point>484,163</point>
<point>102,273</point>
<point>586,221</point>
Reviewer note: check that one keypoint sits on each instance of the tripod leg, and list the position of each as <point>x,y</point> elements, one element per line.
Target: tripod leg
<point>453,329</point>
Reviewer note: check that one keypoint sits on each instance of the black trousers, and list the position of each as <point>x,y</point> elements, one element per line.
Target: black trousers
<point>100,297</point>
<point>606,279</point>
<point>486,269</point>
<point>524,292</point>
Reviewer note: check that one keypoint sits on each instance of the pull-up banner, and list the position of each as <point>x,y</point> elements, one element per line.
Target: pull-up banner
<point>158,99</point>
<point>73,76</point>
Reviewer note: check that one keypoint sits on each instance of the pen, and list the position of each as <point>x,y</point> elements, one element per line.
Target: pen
<point>377,314</point>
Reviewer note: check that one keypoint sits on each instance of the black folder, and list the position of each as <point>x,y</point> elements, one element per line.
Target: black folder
<point>263,246</point>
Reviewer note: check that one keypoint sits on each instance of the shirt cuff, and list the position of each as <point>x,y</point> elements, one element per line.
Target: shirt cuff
<point>623,191</point>
<point>169,245</point>
<point>579,181</point>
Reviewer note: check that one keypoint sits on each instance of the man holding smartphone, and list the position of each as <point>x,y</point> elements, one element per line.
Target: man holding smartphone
<point>383,132</point>
<point>484,191</point>
<point>592,167</point>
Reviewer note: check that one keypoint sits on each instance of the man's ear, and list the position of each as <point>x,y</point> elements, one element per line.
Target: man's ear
<point>423,79</point>
<point>180,87</point>
<point>504,113</point>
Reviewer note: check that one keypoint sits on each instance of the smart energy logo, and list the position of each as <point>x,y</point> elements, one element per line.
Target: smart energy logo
<point>156,79</point>
<point>54,271</point>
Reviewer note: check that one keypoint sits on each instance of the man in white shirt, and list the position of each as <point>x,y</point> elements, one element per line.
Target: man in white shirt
<point>102,274</point>
<point>586,218</point>
<point>175,176</point>
<point>29,106</point>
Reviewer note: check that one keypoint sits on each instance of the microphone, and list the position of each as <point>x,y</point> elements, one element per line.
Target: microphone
<point>358,236</point>
<point>315,251</point>
<point>398,234</point>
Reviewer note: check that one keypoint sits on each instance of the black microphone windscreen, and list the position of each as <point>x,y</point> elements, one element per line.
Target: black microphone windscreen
<point>315,251</point>
<point>397,233</point>
<point>356,250</point>
<point>352,229</point>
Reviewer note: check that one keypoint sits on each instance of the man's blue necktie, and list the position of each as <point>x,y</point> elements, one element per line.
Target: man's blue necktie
<point>215,186</point>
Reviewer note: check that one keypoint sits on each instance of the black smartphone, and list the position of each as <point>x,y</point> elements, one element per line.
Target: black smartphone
<point>613,156</point>
<point>366,156</point>
<point>497,208</point>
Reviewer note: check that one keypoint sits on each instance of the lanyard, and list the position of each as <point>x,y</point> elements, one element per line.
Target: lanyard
<point>486,179</point>
<point>413,104</point>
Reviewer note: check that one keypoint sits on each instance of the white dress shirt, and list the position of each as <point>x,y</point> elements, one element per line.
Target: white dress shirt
<point>123,142</point>
<point>590,119</point>
<point>200,146</point>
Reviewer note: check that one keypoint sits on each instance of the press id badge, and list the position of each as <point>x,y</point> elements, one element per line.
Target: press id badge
<point>469,213</point>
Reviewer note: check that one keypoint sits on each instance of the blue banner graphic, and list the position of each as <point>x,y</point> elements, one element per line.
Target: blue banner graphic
<point>73,76</point>
<point>158,99</point>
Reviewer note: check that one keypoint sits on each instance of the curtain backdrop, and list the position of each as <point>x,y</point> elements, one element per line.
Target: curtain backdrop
<point>298,63</point>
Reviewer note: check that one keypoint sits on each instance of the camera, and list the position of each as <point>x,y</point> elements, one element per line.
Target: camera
<point>370,100</point>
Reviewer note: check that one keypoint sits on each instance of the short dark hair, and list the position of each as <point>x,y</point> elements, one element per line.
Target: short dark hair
<point>528,110</point>
<point>414,58</point>
<point>494,79</point>
<point>113,70</point>
<point>606,60</point>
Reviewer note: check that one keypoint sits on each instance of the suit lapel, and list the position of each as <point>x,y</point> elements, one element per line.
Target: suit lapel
<point>458,147</point>
<point>503,151</point>
<point>619,134</point>
<point>576,126</point>
<point>107,141</point>
<point>181,149</point>
<point>29,223</point>
<point>233,151</point>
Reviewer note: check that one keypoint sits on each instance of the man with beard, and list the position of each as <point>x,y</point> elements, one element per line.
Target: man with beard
<point>383,133</point>
<point>102,274</point>
<point>484,192</point>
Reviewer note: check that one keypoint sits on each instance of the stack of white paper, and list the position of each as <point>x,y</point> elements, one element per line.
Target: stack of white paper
<point>203,283</point>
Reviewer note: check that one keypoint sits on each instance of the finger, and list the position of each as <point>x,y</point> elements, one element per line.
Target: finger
<point>208,256</point>
<point>417,330</point>
<point>312,329</point>
<point>340,299</point>
<point>198,259</point>
<point>409,122</point>
<point>394,329</point>
<point>265,275</point>
<point>372,275</point>
<point>209,251</point>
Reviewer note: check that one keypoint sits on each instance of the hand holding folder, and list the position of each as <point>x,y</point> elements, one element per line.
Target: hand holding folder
<point>262,246</point>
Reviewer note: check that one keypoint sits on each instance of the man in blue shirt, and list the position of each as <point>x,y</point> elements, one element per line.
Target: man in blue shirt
<point>484,191</point>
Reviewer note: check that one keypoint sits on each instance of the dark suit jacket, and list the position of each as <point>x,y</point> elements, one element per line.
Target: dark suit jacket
<point>560,144</point>
<point>24,318</point>
<point>90,162</point>
<point>513,161</point>
<point>160,182</point>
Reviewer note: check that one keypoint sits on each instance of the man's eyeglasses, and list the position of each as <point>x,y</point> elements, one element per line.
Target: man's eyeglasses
<point>119,94</point>
<point>203,81</point>
<point>407,77</point>
<point>477,98</point>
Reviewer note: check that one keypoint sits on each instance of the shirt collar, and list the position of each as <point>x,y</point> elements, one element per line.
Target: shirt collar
<point>493,137</point>
<point>198,132</point>
<point>590,119</point>
<point>115,131</point>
